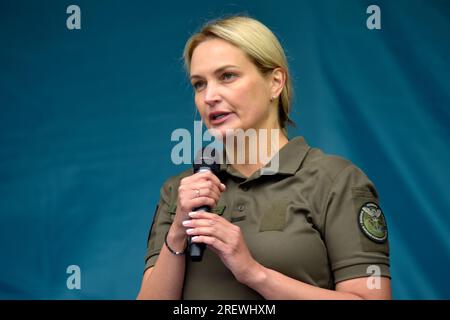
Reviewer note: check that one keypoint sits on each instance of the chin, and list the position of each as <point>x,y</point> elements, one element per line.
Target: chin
<point>223,130</point>
<point>219,132</point>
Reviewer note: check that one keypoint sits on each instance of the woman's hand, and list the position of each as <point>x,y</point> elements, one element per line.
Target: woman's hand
<point>199,189</point>
<point>223,238</point>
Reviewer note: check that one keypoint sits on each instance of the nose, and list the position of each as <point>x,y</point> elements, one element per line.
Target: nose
<point>211,94</point>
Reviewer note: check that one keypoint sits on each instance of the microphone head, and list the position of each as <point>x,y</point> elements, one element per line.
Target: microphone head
<point>207,159</point>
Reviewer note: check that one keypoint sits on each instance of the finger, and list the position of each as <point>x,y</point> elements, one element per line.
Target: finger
<point>205,193</point>
<point>207,189</point>
<point>205,215</point>
<point>202,201</point>
<point>200,176</point>
<point>214,231</point>
<point>210,241</point>
<point>210,227</point>
<point>208,175</point>
<point>204,176</point>
<point>196,223</point>
<point>216,225</point>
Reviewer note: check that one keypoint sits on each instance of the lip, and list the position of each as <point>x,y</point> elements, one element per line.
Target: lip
<point>221,120</point>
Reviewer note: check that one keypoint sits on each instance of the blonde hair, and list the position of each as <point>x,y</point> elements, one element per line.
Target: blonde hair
<point>260,45</point>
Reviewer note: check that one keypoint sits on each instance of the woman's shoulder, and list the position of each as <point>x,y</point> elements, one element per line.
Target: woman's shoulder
<point>336,174</point>
<point>169,188</point>
<point>174,180</point>
<point>329,165</point>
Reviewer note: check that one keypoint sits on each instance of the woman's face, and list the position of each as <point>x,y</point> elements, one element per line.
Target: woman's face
<point>230,92</point>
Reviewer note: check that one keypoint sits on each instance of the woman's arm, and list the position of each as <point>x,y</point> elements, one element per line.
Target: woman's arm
<point>226,240</point>
<point>274,285</point>
<point>165,280</point>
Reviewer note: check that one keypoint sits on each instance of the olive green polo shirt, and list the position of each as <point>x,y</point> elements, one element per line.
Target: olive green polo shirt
<point>316,220</point>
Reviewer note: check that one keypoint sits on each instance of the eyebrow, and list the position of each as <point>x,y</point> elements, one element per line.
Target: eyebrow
<point>218,70</point>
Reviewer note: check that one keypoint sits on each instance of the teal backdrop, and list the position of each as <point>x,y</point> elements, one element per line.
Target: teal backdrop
<point>86,118</point>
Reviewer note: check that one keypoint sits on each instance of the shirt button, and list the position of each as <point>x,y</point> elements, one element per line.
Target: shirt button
<point>245,188</point>
<point>241,208</point>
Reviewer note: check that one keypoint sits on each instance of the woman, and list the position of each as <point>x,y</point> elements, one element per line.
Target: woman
<point>311,230</point>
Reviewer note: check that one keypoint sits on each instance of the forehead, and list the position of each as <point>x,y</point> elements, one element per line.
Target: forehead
<point>214,53</point>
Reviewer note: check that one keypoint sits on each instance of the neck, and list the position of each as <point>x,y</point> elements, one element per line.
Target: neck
<point>247,154</point>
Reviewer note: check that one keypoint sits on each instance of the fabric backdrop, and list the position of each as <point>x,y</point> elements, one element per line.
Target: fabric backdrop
<point>86,118</point>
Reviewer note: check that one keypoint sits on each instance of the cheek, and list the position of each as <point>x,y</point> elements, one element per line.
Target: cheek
<point>198,104</point>
<point>251,98</point>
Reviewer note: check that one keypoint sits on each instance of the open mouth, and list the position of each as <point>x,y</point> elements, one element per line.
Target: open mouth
<point>219,117</point>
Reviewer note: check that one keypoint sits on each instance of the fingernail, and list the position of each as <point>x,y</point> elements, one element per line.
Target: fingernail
<point>223,186</point>
<point>194,238</point>
<point>186,223</point>
<point>192,214</point>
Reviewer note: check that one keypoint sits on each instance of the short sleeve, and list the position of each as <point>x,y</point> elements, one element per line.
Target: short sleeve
<point>355,229</point>
<point>162,221</point>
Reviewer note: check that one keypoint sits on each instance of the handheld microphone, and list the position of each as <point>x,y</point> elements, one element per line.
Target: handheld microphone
<point>206,160</point>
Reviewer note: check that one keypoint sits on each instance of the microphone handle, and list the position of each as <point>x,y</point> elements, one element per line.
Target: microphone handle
<point>196,249</point>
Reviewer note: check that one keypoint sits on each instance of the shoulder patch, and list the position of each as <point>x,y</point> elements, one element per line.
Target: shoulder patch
<point>372,222</point>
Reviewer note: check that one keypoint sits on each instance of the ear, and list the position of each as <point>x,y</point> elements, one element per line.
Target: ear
<point>278,80</point>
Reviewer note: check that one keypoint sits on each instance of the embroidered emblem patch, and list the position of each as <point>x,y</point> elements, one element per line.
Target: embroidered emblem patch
<point>372,222</point>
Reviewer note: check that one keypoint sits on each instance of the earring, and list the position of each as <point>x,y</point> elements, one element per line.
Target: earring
<point>272,98</point>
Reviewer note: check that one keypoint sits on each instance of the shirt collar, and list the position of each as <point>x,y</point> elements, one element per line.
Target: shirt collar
<point>290,158</point>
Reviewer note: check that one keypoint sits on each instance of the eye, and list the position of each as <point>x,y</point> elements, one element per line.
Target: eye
<point>198,85</point>
<point>227,76</point>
